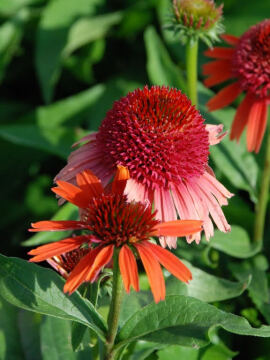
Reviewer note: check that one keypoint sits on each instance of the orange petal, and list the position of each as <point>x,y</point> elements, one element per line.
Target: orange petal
<point>103,257</point>
<point>120,180</point>
<point>178,228</point>
<point>220,53</point>
<point>153,271</point>
<point>71,193</point>
<point>170,262</point>
<point>89,183</point>
<point>241,117</point>
<point>224,97</point>
<point>256,125</point>
<point>128,268</point>
<point>47,251</point>
<point>230,39</point>
<point>79,273</point>
<point>57,225</point>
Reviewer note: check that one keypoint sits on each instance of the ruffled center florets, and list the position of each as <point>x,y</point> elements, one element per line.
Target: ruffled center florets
<point>157,134</point>
<point>112,219</point>
<point>251,62</point>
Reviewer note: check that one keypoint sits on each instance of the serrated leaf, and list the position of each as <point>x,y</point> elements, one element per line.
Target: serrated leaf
<point>88,29</point>
<point>51,39</point>
<point>67,211</point>
<point>56,341</point>
<point>34,288</point>
<point>160,68</point>
<point>235,243</point>
<point>184,321</point>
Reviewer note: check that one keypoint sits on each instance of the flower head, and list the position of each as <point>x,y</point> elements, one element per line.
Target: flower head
<point>197,18</point>
<point>113,223</point>
<point>247,61</point>
<point>162,140</point>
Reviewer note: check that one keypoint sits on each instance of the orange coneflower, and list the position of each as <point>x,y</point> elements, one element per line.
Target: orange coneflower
<point>247,61</point>
<point>164,143</point>
<point>113,223</point>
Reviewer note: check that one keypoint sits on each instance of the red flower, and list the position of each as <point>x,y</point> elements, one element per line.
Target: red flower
<point>247,61</point>
<point>113,222</point>
<point>162,140</point>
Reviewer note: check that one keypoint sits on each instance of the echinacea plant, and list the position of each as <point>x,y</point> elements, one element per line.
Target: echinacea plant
<point>164,143</point>
<point>116,229</point>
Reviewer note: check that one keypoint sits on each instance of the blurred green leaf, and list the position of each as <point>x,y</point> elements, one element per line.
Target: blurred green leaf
<point>10,7</point>
<point>85,30</point>
<point>56,141</point>
<point>231,158</point>
<point>56,341</point>
<point>236,243</point>
<point>160,68</point>
<point>206,287</point>
<point>189,327</point>
<point>10,37</point>
<point>34,288</point>
<point>176,352</point>
<point>52,36</point>
<point>10,345</point>
<point>67,211</point>
<point>29,325</point>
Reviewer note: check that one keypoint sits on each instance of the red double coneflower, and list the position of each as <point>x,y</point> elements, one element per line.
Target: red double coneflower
<point>162,140</point>
<point>248,63</point>
<point>113,223</point>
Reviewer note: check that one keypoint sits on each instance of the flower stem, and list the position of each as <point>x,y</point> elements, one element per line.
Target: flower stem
<point>191,63</point>
<point>113,317</point>
<point>263,196</point>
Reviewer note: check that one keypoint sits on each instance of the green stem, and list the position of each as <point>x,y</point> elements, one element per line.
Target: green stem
<point>263,196</point>
<point>191,63</point>
<point>113,317</point>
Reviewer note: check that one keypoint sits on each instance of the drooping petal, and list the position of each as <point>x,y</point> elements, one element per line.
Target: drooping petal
<point>47,251</point>
<point>230,39</point>
<point>220,53</point>
<point>120,180</point>
<point>218,72</point>
<point>224,97</point>
<point>170,262</point>
<point>54,225</point>
<point>89,184</point>
<point>71,193</point>
<point>215,133</point>
<point>153,272</point>
<point>87,138</point>
<point>178,228</point>
<point>128,268</point>
<point>79,273</point>
<point>241,117</point>
<point>256,125</point>
<point>103,258</point>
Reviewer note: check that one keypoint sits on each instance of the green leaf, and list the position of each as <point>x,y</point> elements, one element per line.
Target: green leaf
<point>206,287</point>
<point>160,68</point>
<point>231,158</point>
<point>176,352</point>
<point>10,7</point>
<point>56,141</point>
<point>67,211</point>
<point>90,29</point>
<point>77,334</point>
<point>10,345</point>
<point>29,325</point>
<point>10,37</point>
<point>56,341</point>
<point>184,321</point>
<point>236,243</point>
<point>34,288</point>
<point>52,35</point>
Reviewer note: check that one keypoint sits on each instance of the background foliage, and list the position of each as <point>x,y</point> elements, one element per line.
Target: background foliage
<point>62,64</point>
